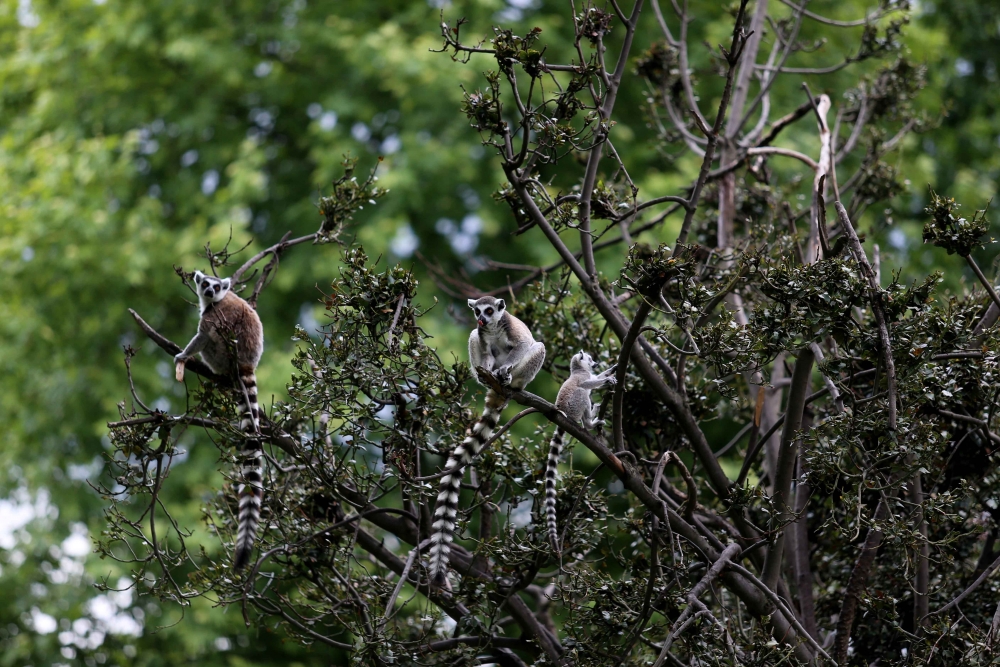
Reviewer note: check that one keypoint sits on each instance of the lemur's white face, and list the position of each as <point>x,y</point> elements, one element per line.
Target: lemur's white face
<point>487,309</point>
<point>581,361</point>
<point>209,288</point>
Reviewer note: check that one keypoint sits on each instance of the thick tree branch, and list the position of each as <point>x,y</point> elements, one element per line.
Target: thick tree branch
<point>787,455</point>
<point>857,582</point>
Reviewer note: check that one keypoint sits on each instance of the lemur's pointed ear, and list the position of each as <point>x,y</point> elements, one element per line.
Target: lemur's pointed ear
<point>472,303</point>
<point>500,304</point>
<point>198,277</point>
<point>227,283</point>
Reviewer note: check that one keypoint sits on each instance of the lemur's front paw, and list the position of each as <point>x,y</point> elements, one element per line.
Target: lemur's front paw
<point>611,380</point>
<point>598,424</point>
<point>179,367</point>
<point>503,375</point>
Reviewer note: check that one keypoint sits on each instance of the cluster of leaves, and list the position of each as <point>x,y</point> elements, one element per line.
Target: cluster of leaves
<point>510,49</point>
<point>348,197</point>
<point>659,65</point>
<point>954,233</point>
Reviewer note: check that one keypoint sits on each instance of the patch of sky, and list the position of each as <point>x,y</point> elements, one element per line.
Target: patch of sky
<point>405,242</point>
<point>463,237</point>
<point>26,14</point>
<point>897,239</point>
<point>209,182</point>
<point>516,9</point>
<point>189,158</point>
<point>18,510</point>
<point>391,144</point>
<point>328,121</point>
<point>360,132</point>
<point>520,516</point>
<point>307,318</point>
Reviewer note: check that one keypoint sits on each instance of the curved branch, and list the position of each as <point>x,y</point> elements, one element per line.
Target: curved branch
<point>275,250</point>
<point>787,152</point>
<point>968,591</point>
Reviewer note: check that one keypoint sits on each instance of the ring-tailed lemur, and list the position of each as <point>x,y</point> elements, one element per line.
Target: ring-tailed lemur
<point>503,345</point>
<point>573,400</point>
<point>230,339</point>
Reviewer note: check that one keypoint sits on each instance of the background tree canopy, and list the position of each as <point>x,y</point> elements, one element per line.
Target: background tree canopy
<point>133,134</point>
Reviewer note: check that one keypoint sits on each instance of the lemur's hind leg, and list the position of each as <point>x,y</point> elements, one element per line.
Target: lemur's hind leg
<point>590,420</point>
<point>593,409</point>
<point>526,368</point>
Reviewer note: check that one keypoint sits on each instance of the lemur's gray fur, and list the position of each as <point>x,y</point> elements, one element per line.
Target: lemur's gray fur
<point>573,400</point>
<point>503,345</point>
<point>230,340</point>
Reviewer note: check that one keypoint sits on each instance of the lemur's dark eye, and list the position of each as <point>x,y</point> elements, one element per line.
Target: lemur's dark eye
<point>476,311</point>
<point>489,311</point>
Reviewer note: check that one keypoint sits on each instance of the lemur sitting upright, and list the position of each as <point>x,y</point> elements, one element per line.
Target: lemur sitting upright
<point>503,345</point>
<point>230,339</point>
<point>573,400</point>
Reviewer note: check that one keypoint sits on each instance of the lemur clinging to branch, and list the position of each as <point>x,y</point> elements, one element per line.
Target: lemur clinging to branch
<point>503,345</point>
<point>230,339</point>
<point>573,400</point>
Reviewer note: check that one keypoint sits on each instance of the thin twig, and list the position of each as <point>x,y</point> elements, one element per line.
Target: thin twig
<point>780,604</point>
<point>983,279</point>
<point>391,603</point>
<point>729,554</point>
<point>739,41</point>
<point>875,296</point>
<point>395,319</point>
<point>276,249</point>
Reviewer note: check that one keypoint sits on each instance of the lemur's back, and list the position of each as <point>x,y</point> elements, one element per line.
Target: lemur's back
<point>228,321</point>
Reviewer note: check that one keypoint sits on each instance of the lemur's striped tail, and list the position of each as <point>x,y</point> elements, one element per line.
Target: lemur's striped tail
<point>251,490</point>
<point>551,467</point>
<point>446,507</point>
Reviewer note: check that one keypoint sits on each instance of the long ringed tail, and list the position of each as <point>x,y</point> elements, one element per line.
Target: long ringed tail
<point>446,507</point>
<point>551,467</point>
<point>251,489</point>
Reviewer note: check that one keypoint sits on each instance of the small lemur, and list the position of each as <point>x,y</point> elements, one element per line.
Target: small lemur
<point>573,400</point>
<point>503,345</point>
<point>230,339</point>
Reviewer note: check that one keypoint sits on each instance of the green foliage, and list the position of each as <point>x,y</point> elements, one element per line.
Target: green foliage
<point>347,198</point>
<point>953,233</point>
